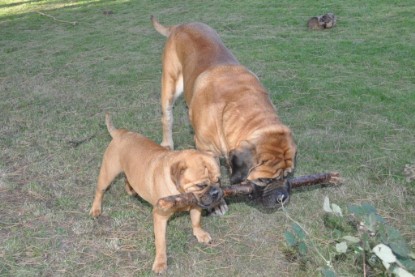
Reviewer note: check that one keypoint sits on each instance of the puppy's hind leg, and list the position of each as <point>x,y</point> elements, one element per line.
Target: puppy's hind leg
<point>110,168</point>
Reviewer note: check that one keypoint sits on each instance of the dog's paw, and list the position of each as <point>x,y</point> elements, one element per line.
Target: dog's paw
<point>202,236</point>
<point>220,209</point>
<point>159,266</point>
<point>169,145</point>
<point>95,211</point>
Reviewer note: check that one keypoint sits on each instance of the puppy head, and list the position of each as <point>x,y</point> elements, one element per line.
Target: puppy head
<point>270,156</point>
<point>199,174</point>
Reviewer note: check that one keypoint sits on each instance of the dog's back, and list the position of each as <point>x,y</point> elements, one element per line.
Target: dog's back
<point>197,47</point>
<point>125,137</point>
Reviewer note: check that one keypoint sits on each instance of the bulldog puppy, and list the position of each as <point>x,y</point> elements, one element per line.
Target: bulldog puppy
<point>154,172</point>
<point>229,109</point>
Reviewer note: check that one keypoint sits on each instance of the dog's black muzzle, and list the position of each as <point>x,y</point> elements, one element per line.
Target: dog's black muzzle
<point>210,198</point>
<point>271,193</point>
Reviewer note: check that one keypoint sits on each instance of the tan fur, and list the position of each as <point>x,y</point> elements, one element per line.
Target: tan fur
<point>154,172</point>
<point>229,108</point>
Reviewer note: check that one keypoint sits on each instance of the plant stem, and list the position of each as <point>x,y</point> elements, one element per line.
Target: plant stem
<point>328,262</point>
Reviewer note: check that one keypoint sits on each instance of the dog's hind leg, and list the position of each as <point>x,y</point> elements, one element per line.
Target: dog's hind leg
<point>110,168</point>
<point>171,88</point>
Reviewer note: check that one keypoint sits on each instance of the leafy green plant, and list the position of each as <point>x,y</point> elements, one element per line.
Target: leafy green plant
<point>360,233</point>
<point>299,241</point>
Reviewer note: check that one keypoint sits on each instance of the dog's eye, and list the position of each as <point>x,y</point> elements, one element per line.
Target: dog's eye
<point>266,181</point>
<point>201,186</point>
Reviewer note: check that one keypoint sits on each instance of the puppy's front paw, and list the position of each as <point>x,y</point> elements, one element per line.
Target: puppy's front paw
<point>202,236</point>
<point>95,211</point>
<point>159,266</point>
<point>220,209</point>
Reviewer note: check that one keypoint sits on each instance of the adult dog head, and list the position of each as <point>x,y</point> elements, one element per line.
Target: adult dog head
<point>265,161</point>
<point>269,156</point>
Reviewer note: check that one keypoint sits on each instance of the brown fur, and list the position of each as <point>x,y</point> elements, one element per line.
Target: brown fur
<point>154,172</point>
<point>229,109</point>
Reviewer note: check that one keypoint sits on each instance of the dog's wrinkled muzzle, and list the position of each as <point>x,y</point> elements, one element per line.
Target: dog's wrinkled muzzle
<point>272,193</point>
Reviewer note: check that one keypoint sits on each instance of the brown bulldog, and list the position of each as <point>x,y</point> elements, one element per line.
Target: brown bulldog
<point>229,109</point>
<point>154,172</point>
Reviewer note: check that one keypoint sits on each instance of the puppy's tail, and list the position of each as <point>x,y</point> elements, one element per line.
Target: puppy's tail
<point>110,126</point>
<point>164,30</point>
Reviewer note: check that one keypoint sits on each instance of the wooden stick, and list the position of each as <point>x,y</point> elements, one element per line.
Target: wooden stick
<point>73,23</point>
<point>179,201</point>
<point>184,200</point>
<point>241,189</point>
<point>314,179</point>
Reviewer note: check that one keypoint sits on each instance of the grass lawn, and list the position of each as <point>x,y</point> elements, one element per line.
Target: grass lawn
<point>347,93</point>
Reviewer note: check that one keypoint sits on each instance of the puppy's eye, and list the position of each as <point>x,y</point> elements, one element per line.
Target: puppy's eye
<point>266,181</point>
<point>201,186</point>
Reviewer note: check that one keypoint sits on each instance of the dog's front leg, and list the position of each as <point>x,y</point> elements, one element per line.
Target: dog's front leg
<point>160,226</point>
<point>198,232</point>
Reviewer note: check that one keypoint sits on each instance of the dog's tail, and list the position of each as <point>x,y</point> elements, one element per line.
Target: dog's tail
<point>164,30</point>
<point>110,126</point>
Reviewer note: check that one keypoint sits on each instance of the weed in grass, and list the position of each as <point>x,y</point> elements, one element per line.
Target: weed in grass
<point>363,234</point>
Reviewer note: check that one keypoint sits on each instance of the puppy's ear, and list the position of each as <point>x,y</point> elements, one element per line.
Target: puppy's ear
<point>241,161</point>
<point>176,172</point>
<point>212,169</point>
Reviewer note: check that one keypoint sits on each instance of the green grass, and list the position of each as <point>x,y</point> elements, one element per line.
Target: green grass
<point>347,93</point>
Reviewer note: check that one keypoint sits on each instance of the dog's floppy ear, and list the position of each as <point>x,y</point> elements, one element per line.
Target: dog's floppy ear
<point>212,170</point>
<point>241,161</point>
<point>176,172</point>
